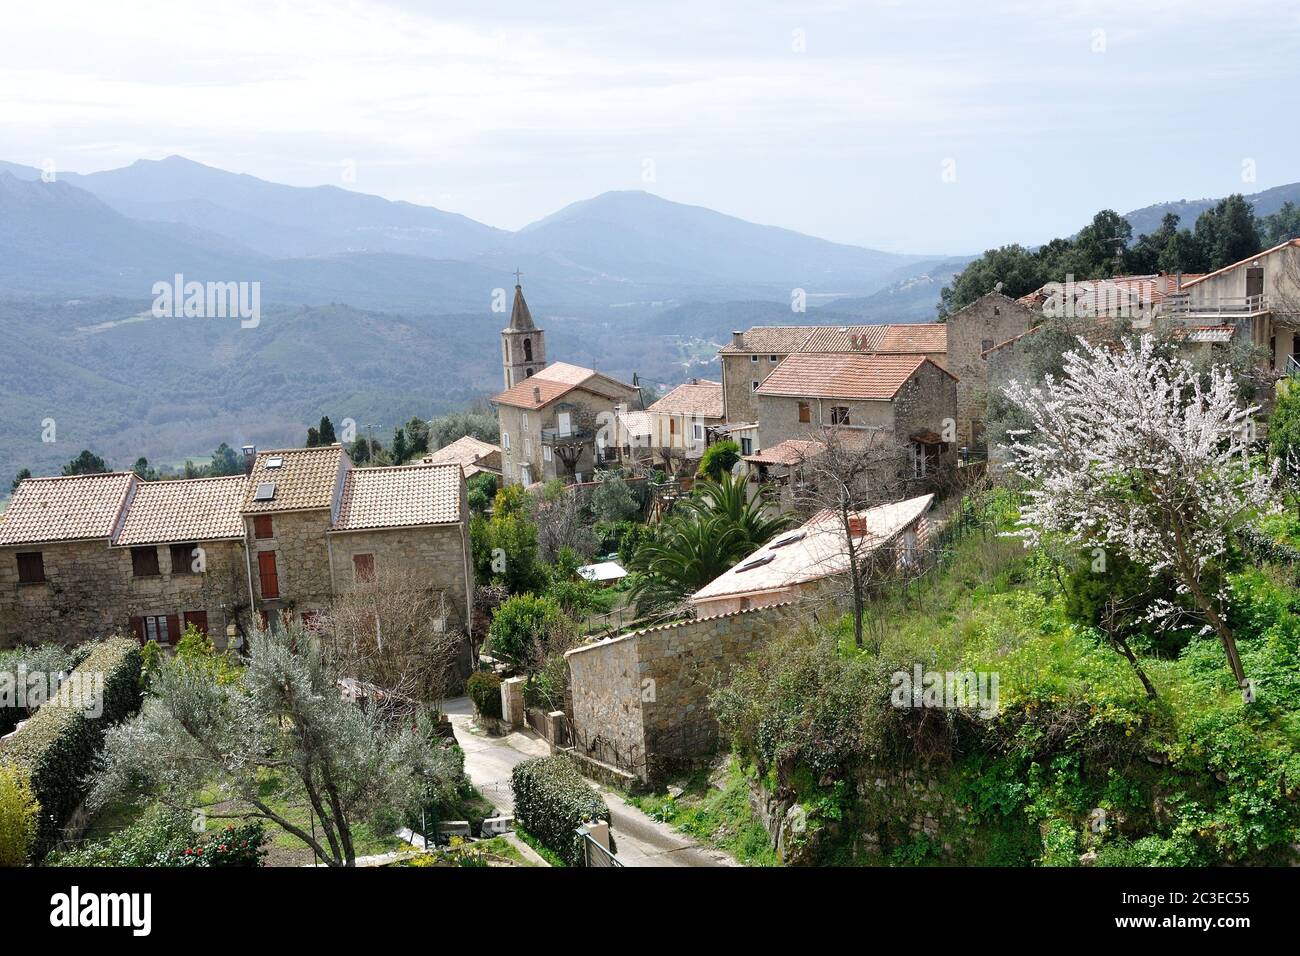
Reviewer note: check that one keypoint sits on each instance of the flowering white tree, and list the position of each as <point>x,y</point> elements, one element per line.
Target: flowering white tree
<point>1130,450</point>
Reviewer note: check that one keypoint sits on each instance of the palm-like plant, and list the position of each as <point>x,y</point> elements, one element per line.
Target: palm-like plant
<point>710,532</point>
<point>729,499</point>
<point>686,555</point>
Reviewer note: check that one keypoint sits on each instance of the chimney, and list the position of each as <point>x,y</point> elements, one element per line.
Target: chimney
<point>738,339</point>
<point>857,526</point>
<point>250,455</point>
<point>537,394</point>
<point>695,381</point>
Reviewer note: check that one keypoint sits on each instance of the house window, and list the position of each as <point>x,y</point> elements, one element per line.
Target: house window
<point>564,423</point>
<point>839,414</point>
<point>505,440</point>
<point>754,359</point>
<point>546,453</point>
<point>528,448</point>
<point>31,567</point>
<point>523,421</point>
<point>805,412</point>
<point>183,556</point>
<point>267,574</point>
<point>774,358</point>
<point>526,474</point>
<point>697,431</point>
<point>160,628</point>
<point>144,562</point>
<point>199,619</point>
<point>363,568</point>
<point>528,350</point>
<point>262,527</point>
<point>672,426</point>
<point>747,446</point>
<point>753,385</point>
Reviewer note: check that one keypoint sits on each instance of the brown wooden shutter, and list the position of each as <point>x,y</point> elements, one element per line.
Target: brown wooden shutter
<point>173,628</point>
<point>137,628</point>
<point>199,619</point>
<point>266,570</point>
<point>263,527</point>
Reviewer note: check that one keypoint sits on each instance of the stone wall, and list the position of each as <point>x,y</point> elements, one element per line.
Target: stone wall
<point>301,559</point>
<point>91,593</point>
<point>640,701</point>
<point>778,417</point>
<point>738,374</point>
<point>437,554</point>
<point>988,321</point>
<point>526,448</point>
<point>927,403</point>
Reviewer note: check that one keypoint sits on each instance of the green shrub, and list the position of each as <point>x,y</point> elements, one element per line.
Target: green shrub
<point>484,689</point>
<point>165,837</point>
<point>59,744</point>
<point>19,813</point>
<point>18,664</point>
<point>552,801</point>
<point>718,459</point>
<point>521,625</point>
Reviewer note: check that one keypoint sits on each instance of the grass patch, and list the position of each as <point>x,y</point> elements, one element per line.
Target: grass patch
<point>541,849</point>
<point>722,818</point>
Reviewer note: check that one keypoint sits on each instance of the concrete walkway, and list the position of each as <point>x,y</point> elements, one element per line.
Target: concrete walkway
<point>640,840</point>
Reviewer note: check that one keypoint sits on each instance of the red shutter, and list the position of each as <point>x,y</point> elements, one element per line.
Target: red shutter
<point>137,628</point>
<point>173,628</point>
<point>266,571</point>
<point>199,619</point>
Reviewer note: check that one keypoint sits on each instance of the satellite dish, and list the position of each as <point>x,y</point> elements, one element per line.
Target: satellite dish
<point>997,287</point>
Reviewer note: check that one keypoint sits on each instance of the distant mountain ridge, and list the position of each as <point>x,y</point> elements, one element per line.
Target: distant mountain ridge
<point>1147,219</point>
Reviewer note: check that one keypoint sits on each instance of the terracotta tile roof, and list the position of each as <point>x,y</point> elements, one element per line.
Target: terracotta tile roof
<point>815,550</point>
<point>555,381</point>
<point>701,398</point>
<point>792,451</point>
<point>851,375</point>
<point>918,337</point>
<point>195,509</point>
<point>1242,262</point>
<point>401,496</point>
<point>66,509</point>
<point>1105,295</point>
<point>465,450</point>
<point>305,480</point>
<point>636,424</point>
<point>771,340</point>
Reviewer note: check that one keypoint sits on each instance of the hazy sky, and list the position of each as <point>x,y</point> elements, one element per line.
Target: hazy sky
<point>836,119</point>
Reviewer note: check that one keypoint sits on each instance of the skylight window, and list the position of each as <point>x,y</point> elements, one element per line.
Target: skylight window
<point>265,491</point>
<point>275,462</point>
<point>788,539</point>
<point>756,563</point>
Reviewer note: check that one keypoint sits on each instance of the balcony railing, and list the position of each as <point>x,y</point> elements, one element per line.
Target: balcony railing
<point>1180,304</point>
<point>574,436</point>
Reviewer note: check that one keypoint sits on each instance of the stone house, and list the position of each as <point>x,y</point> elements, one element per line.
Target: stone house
<point>683,418</point>
<point>972,331</point>
<point>88,556</point>
<point>904,400</point>
<point>557,423</point>
<point>751,356</point>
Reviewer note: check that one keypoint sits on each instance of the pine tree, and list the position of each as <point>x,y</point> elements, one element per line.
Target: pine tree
<point>327,431</point>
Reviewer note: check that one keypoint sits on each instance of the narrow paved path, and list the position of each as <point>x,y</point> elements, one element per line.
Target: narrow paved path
<point>641,841</point>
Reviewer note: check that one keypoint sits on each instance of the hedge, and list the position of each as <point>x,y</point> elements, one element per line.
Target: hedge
<point>484,689</point>
<point>59,744</point>
<point>552,801</point>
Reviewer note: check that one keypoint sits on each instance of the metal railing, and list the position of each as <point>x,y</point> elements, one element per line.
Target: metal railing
<point>1180,304</point>
<point>595,855</point>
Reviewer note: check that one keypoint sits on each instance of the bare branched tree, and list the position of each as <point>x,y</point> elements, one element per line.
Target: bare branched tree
<point>562,522</point>
<point>849,472</point>
<point>395,639</point>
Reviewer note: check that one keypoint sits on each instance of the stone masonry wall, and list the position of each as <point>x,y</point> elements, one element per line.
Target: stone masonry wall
<point>301,559</point>
<point>90,592</point>
<point>644,696</point>
<point>990,320</point>
<point>436,553</point>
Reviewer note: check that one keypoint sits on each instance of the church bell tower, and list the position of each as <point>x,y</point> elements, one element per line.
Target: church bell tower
<point>523,344</point>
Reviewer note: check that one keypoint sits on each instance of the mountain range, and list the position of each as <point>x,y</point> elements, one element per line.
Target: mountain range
<point>377,310</point>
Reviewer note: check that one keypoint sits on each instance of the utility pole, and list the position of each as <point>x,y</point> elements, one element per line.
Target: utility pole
<point>370,432</point>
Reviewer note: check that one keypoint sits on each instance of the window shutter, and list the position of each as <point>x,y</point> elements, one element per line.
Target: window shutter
<point>173,628</point>
<point>137,628</point>
<point>199,619</point>
<point>267,573</point>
